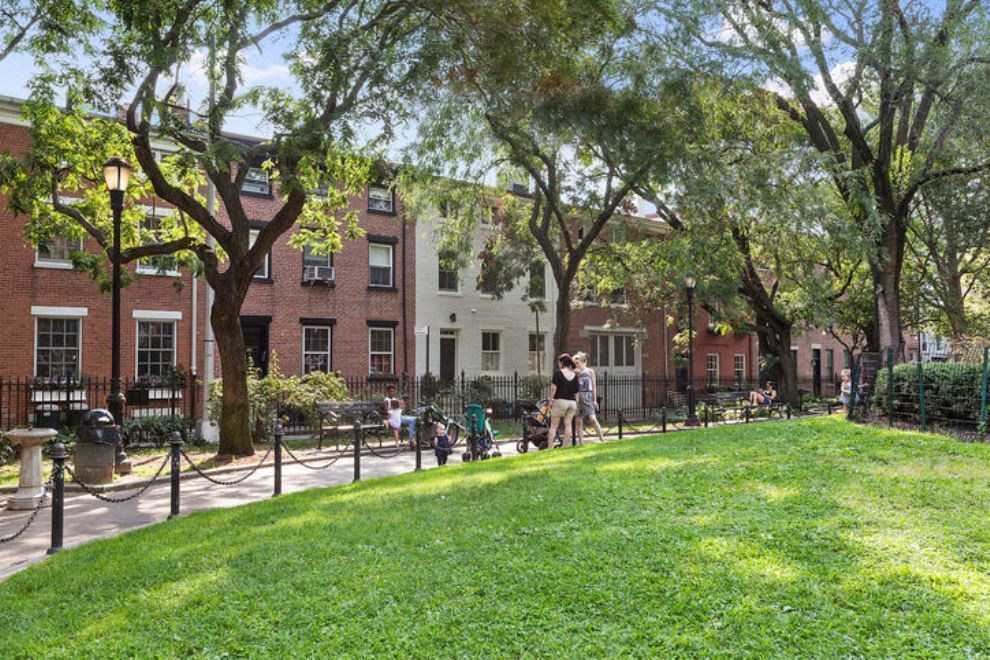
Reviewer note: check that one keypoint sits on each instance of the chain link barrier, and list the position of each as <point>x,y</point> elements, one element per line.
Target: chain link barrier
<point>395,452</point>
<point>232,482</point>
<point>118,500</point>
<point>298,460</point>
<point>30,518</point>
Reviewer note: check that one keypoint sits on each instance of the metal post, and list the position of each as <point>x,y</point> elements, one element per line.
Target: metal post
<point>357,449</point>
<point>828,407</point>
<point>921,395</point>
<point>705,415</point>
<point>983,395</point>
<point>853,390</point>
<point>278,458</point>
<point>747,414</point>
<point>890,386</point>
<point>663,419</point>
<point>115,400</point>
<point>515,390</point>
<point>463,392</point>
<point>692,416</point>
<point>176,444</point>
<point>59,454</point>
<point>787,407</point>
<point>620,423</point>
<point>417,430</point>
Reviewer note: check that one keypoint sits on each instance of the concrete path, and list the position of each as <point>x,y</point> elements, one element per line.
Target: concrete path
<point>87,518</point>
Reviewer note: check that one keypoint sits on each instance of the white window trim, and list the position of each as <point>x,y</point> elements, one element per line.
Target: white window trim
<point>175,339</point>
<point>156,315</point>
<point>391,267</point>
<point>718,368</point>
<point>57,264</point>
<point>267,267</point>
<point>744,365</point>
<point>63,312</point>
<point>498,332</point>
<point>329,329</point>
<point>76,317</point>
<point>391,332</point>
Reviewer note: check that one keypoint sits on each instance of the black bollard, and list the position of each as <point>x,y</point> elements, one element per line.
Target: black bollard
<point>788,406</point>
<point>620,423</point>
<point>747,414</point>
<point>706,416</point>
<point>176,446</point>
<point>419,449</point>
<point>357,449</point>
<point>663,419</point>
<point>278,458</point>
<point>59,454</point>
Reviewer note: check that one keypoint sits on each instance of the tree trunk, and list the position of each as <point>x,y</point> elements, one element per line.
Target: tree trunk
<point>235,427</point>
<point>778,339</point>
<point>563,320</point>
<point>886,273</point>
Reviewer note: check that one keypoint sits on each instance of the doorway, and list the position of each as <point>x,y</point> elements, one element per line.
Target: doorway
<point>816,371</point>
<point>255,331</point>
<point>448,355</point>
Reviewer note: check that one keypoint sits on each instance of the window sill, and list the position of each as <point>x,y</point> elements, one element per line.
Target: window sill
<point>327,284</point>
<point>54,265</point>
<point>262,280</point>
<point>159,273</point>
<point>249,193</point>
<point>375,287</point>
<point>451,294</point>
<point>383,377</point>
<point>379,212</point>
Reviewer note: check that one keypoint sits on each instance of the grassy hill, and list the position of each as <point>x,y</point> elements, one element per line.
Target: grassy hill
<point>812,537</point>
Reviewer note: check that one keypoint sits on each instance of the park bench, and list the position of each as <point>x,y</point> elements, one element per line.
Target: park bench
<point>345,416</point>
<point>719,404</point>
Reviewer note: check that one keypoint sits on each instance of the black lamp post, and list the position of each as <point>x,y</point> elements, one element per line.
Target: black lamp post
<point>692,416</point>
<point>116,172</point>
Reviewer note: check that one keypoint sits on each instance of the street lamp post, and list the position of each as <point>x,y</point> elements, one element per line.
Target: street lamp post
<point>116,172</point>
<point>692,416</point>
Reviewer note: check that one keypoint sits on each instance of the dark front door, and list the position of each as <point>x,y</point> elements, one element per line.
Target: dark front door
<point>448,358</point>
<point>816,371</point>
<point>255,332</point>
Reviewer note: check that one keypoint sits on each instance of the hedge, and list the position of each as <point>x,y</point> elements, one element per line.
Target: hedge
<point>952,391</point>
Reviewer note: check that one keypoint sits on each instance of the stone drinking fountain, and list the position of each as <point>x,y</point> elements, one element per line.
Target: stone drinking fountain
<point>31,487</point>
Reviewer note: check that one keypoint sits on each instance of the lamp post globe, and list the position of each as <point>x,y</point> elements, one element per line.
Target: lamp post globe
<point>692,416</point>
<point>116,173</point>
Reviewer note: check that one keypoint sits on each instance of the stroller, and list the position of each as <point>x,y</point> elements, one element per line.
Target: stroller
<point>480,437</point>
<point>536,426</point>
<point>427,417</point>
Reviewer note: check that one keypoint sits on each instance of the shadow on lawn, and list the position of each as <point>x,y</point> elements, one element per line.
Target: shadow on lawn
<point>727,541</point>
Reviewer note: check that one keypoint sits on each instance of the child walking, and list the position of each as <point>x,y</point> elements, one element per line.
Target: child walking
<point>443,447</point>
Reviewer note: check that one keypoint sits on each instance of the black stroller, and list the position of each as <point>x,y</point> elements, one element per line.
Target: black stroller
<point>536,426</point>
<point>427,417</point>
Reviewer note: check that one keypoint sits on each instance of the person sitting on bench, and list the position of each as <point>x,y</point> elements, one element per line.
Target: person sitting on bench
<point>763,397</point>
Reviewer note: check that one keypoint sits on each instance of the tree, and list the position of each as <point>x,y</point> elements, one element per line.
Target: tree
<point>352,64</point>
<point>45,26</point>
<point>537,93</point>
<point>876,87</point>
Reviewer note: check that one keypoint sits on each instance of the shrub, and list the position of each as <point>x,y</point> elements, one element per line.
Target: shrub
<point>431,388</point>
<point>952,391</point>
<point>480,390</point>
<point>153,430</point>
<point>533,387</point>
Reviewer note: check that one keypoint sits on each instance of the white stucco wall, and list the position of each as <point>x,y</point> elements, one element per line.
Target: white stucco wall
<point>474,313</point>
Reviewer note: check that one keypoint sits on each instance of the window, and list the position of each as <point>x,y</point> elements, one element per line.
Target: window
<point>599,351</point>
<point>379,265</point>
<point>58,348</point>
<point>449,279</point>
<point>257,182</point>
<point>150,232</point>
<point>316,349</point>
<point>487,285</point>
<point>624,353</point>
<point>381,199</point>
<point>830,365</point>
<point>537,280</point>
<point>310,259</point>
<point>739,367</point>
<point>619,296</point>
<point>846,359</point>
<point>711,368</point>
<point>491,356</point>
<point>380,351</point>
<point>57,250</point>
<point>155,348</point>
<point>537,351</point>
<point>264,271</point>
<point>794,356</point>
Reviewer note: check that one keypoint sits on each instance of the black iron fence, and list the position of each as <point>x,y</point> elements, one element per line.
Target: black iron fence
<point>62,404</point>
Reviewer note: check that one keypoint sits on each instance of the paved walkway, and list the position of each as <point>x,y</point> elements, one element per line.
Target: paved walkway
<point>87,518</point>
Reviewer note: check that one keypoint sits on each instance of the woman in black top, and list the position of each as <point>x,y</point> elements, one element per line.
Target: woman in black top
<point>563,399</point>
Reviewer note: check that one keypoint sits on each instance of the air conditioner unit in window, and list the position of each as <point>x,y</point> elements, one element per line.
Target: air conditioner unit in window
<point>317,274</point>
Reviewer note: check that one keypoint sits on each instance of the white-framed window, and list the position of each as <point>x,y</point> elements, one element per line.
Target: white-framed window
<point>711,368</point>
<point>830,364</point>
<point>381,199</point>
<point>449,278</point>
<point>599,351</point>
<point>612,350</point>
<point>380,264</point>
<point>381,351</point>
<point>257,182</point>
<point>264,272</point>
<point>150,232</point>
<point>491,351</point>
<point>316,343</point>
<point>58,347</point>
<point>310,259</point>
<point>537,281</point>
<point>55,253</point>
<point>739,366</point>
<point>537,350</point>
<point>155,348</point>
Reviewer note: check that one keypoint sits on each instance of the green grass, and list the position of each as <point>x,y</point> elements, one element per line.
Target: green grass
<point>808,538</point>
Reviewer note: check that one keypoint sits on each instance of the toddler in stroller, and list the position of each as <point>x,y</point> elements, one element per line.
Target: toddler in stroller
<point>536,426</point>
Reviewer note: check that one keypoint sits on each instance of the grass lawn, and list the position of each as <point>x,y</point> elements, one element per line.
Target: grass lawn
<point>812,537</point>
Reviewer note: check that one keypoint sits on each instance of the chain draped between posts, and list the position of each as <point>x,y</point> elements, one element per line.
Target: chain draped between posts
<point>300,461</point>
<point>88,489</point>
<point>30,518</point>
<point>220,482</point>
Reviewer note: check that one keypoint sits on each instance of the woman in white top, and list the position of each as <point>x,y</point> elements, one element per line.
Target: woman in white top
<point>587,403</point>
